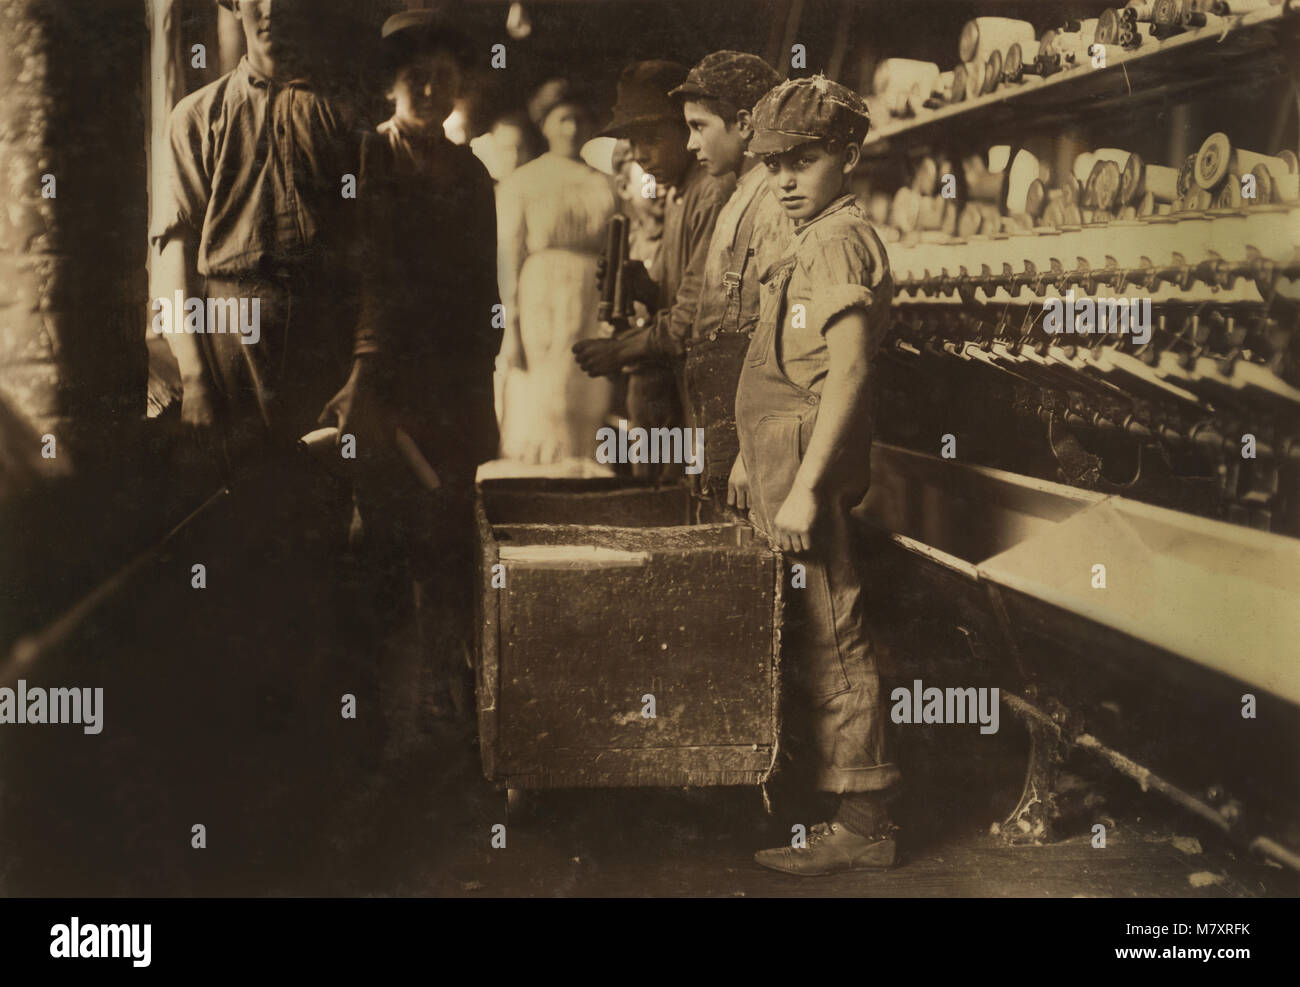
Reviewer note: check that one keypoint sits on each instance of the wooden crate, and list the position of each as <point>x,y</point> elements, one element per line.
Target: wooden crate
<point>593,617</point>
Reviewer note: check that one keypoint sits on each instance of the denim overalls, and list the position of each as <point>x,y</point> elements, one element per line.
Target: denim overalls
<point>826,649</point>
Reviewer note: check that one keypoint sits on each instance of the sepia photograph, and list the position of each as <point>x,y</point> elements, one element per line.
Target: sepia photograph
<point>415,481</point>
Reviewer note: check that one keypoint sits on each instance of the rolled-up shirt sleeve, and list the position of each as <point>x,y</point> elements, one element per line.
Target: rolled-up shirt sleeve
<point>181,200</point>
<point>847,275</point>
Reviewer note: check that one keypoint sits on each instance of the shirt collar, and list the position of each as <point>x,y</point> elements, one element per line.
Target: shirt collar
<point>843,202</point>
<point>408,133</point>
<point>261,80</point>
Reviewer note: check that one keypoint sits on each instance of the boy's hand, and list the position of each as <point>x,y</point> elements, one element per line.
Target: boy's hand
<point>738,485</point>
<point>197,403</point>
<point>603,357</point>
<point>354,405</point>
<point>794,522</point>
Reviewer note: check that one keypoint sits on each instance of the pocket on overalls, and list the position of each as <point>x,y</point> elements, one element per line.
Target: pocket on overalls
<point>770,303</point>
<point>776,445</point>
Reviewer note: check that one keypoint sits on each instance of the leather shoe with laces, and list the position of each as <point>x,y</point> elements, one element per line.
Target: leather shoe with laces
<point>832,847</point>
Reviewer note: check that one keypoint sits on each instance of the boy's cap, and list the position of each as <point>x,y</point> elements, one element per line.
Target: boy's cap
<point>803,110</point>
<point>643,96</point>
<point>735,77</point>
<point>420,30</point>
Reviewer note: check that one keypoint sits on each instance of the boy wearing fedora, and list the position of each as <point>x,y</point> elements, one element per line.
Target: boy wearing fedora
<point>653,126</point>
<point>804,423</point>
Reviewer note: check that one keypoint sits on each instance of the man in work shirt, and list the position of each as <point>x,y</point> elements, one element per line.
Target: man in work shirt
<point>255,210</point>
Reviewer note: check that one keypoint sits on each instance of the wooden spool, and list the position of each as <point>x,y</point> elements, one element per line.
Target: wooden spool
<point>901,74</point>
<point>1185,176</point>
<point>1036,198</point>
<point>983,35</point>
<point>1142,8</point>
<point>1229,194</point>
<point>941,91</point>
<point>1130,179</point>
<point>960,84</point>
<point>905,209</point>
<point>929,214</point>
<point>1013,65</point>
<point>1217,157</point>
<point>1286,184</point>
<point>926,179</point>
<point>1071,190</point>
<point>992,71</point>
<point>1161,182</point>
<point>1108,27</point>
<point>1265,186</point>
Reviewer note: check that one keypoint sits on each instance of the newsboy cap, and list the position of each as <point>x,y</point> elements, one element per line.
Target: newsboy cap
<point>735,77</point>
<point>802,110</point>
<point>643,96</point>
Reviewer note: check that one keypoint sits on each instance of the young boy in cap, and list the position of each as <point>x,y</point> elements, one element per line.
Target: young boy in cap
<point>254,212</point>
<point>752,231</point>
<point>428,297</point>
<point>803,416</point>
<point>653,125</point>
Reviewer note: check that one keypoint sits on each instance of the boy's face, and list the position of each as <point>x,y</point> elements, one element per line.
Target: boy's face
<point>270,26</point>
<point>717,145</point>
<point>648,210</point>
<point>808,178</point>
<point>425,89</point>
<point>660,149</point>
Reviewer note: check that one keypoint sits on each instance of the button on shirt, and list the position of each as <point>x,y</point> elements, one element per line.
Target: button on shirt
<point>837,263</point>
<point>257,173</point>
<point>689,218</point>
<point>769,238</point>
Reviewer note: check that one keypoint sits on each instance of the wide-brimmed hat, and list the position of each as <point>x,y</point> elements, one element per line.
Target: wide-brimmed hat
<point>643,96</point>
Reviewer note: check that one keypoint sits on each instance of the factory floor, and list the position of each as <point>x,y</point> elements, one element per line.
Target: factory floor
<point>428,822</point>
<point>222,710</point>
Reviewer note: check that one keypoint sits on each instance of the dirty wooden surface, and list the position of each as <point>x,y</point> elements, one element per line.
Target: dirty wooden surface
<point>686,615</point>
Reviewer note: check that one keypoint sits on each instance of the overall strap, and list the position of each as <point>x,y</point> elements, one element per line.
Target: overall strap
<point>734,280</point>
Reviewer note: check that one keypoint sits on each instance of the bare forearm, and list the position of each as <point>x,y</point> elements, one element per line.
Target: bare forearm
<point>843,415</point>
<point>176,271</point>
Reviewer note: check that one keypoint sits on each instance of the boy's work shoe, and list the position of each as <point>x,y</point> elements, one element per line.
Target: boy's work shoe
<point>832,847</point>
